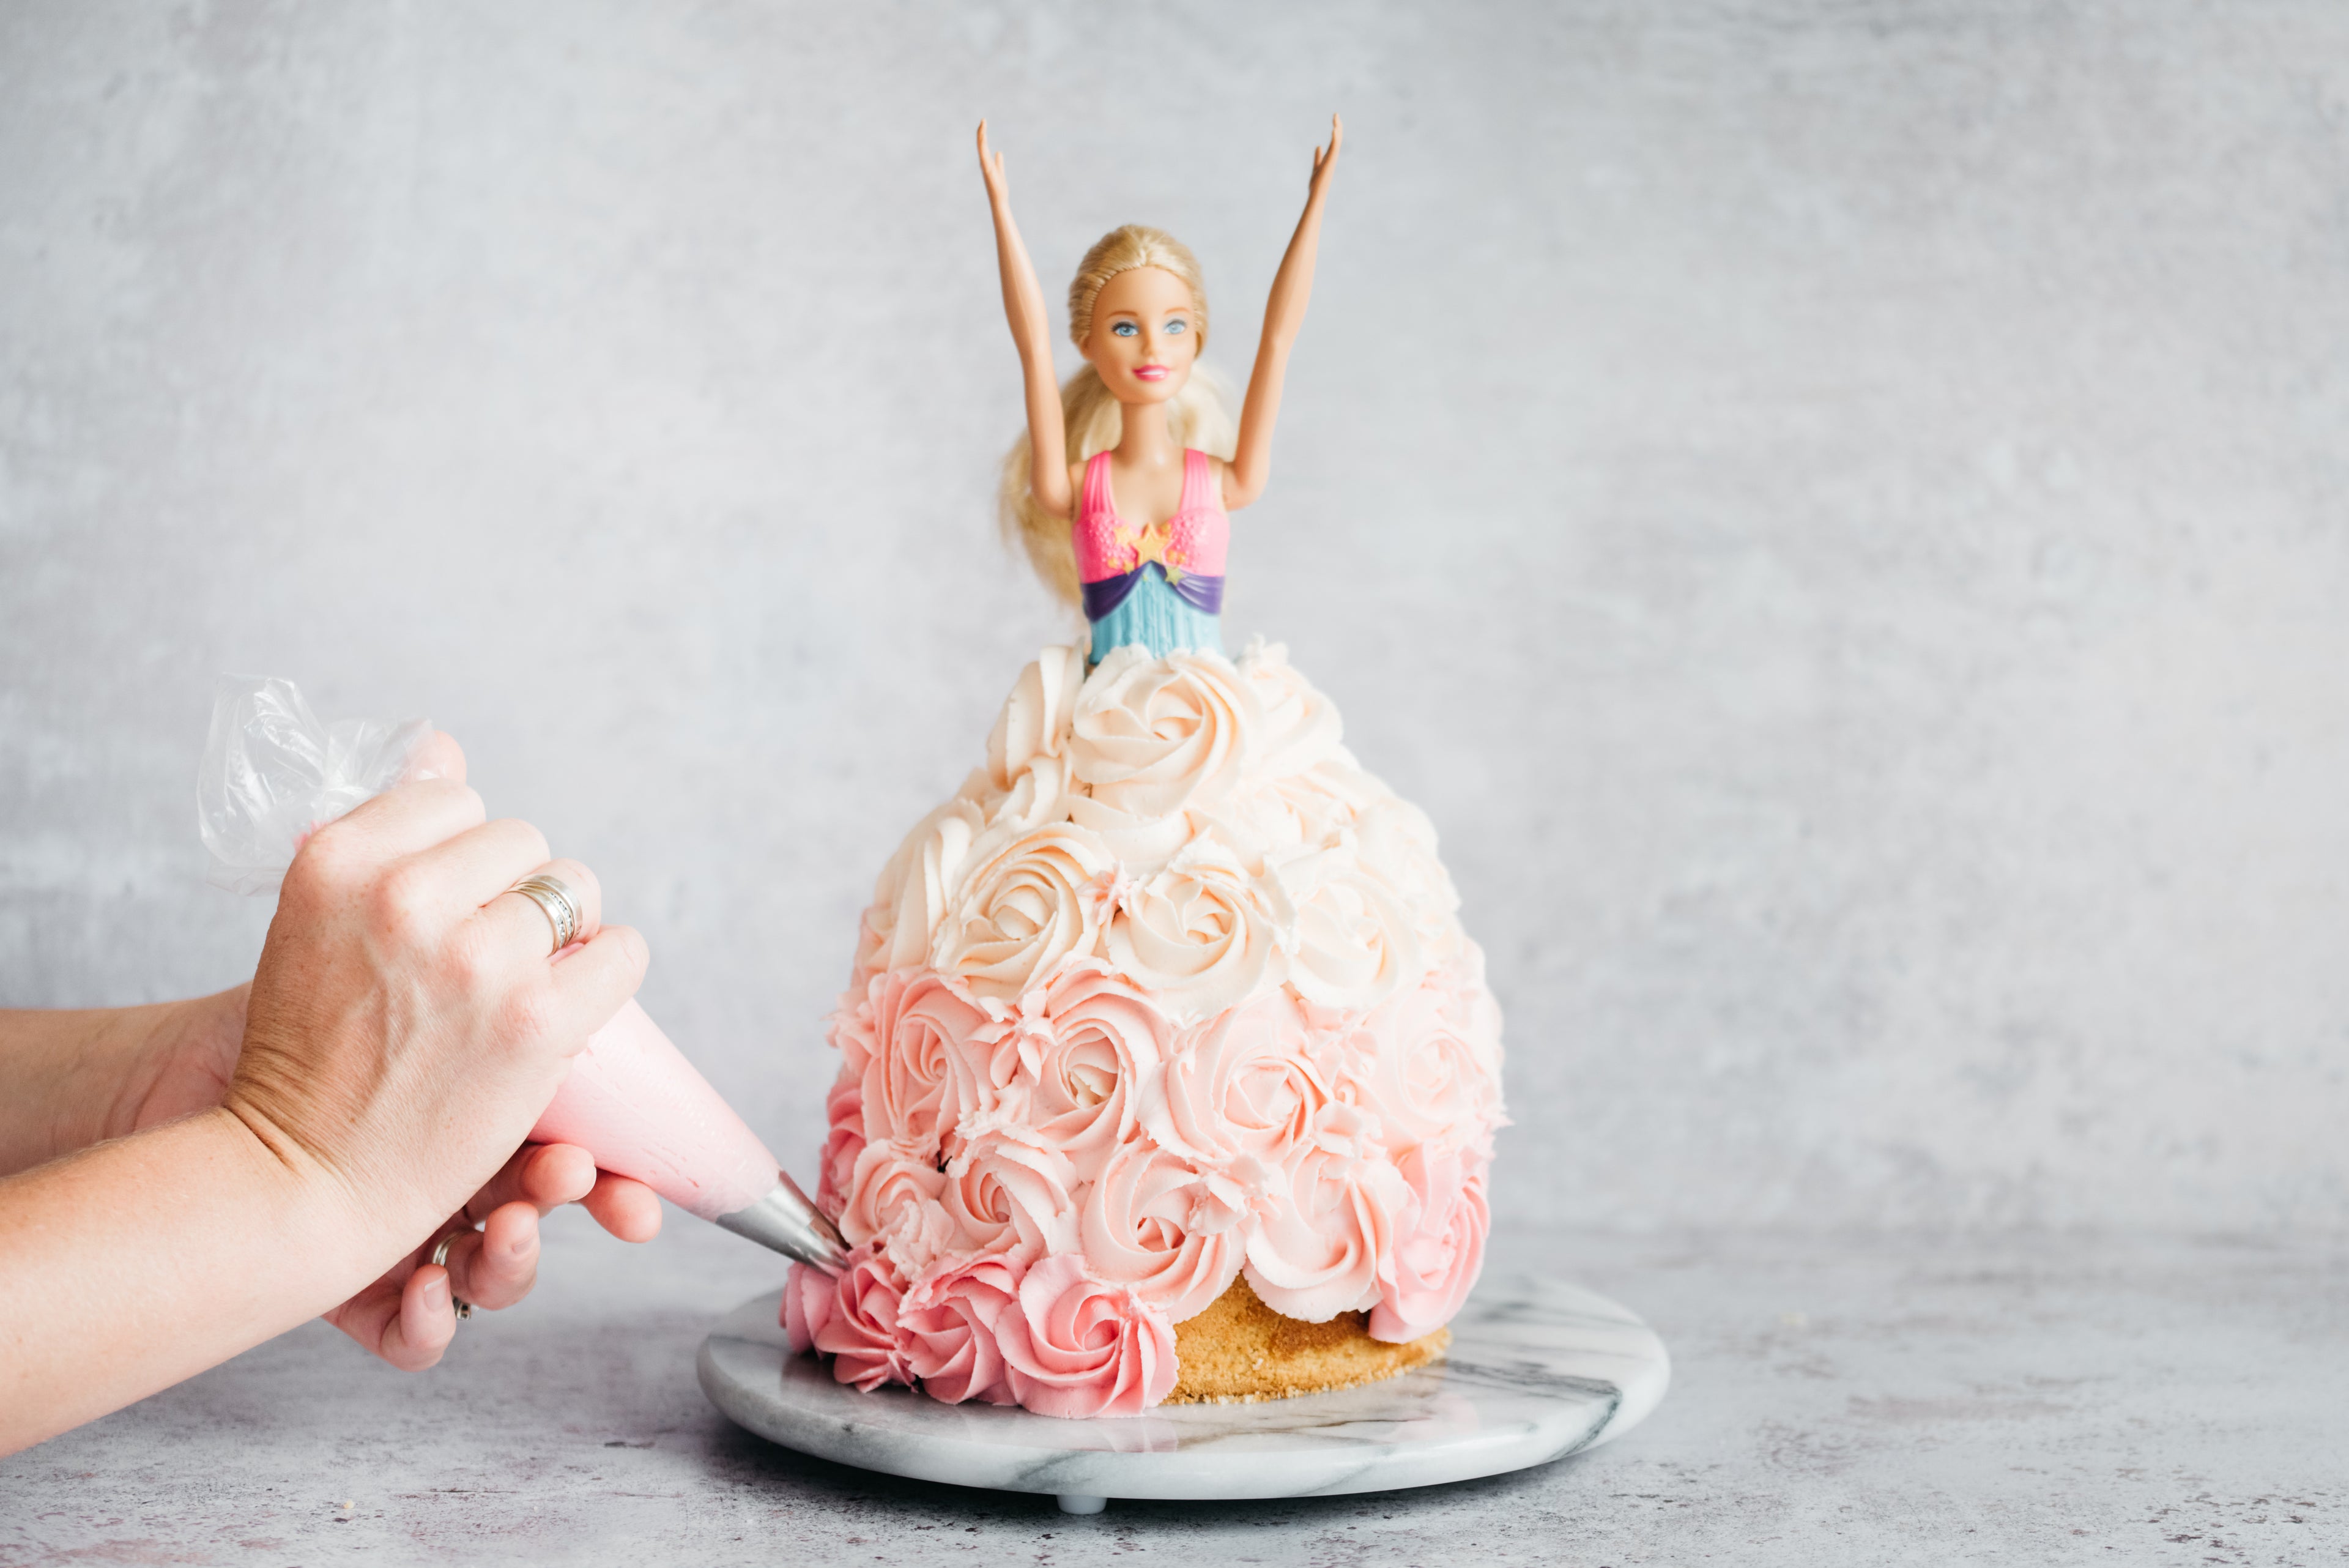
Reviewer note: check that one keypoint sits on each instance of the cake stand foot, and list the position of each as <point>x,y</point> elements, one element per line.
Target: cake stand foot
<point>1077,1502</point>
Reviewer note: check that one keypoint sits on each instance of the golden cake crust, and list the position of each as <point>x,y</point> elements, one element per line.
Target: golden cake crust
<point>1239,1350</point>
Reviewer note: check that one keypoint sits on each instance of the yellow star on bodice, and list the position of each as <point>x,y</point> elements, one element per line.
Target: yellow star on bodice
<point>1152,543</point>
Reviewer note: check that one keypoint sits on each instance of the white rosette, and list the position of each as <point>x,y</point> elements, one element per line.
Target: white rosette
<point>1299,728</point>
<point>1397,844</point>
<point>1354,946</point>
<point>1152,738</point>
<point>1202,934</point>
<point>1023,910</point>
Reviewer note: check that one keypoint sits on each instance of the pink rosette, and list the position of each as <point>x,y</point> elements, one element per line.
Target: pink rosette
<point>947,1325</point>
<point>1154,1223</point>
<point>1435,1262</point>
<point>890,1180</point>
<point>1010,1189</point>
<point>1076,1347</point>
<point>1240,1090</point>
<point>913,1088</point>
<point>1424,1077</point>
<point>861,1334</point>
<point>1321,1251</point>
<point>1468,1005</point>
<point>850,1029</point>
<point>808,1297</point>
<point>844,1110</point>
<point>1084,1070</point>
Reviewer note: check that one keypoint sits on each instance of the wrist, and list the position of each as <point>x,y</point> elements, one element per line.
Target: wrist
<point>314,1214</point>
<point>184,1057</point>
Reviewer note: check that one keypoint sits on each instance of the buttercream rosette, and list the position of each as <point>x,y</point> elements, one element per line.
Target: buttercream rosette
<point>1170,992</point>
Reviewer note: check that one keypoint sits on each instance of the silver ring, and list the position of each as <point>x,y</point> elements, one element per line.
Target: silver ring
<point>558,903</point>
<point>441,1260</point>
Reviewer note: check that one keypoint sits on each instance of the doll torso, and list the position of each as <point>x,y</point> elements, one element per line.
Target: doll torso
<point>1159,584</point>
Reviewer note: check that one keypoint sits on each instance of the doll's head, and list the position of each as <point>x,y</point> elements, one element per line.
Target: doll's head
<point>1136,306</point>
<point>1138,313</point>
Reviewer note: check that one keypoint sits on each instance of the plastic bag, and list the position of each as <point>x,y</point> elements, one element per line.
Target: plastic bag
<point>272,774</point>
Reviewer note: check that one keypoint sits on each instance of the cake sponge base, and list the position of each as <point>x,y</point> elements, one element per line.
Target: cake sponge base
<point>1240,1350</point>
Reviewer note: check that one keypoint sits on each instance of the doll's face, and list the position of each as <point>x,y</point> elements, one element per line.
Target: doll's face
<point>1145,337</point>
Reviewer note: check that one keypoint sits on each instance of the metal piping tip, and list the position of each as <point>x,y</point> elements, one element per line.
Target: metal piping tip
<point>785,1220</point>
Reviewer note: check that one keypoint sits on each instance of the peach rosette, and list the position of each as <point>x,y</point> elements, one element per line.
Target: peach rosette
<point>1171,995</point>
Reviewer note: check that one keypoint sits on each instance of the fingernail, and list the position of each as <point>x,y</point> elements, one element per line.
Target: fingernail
<point>436,1292</point>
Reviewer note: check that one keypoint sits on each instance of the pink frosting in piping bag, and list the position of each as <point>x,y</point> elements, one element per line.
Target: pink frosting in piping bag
<point>639,1106</point>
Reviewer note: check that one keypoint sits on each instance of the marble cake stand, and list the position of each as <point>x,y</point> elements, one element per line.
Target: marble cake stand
<point>1537,1370</point>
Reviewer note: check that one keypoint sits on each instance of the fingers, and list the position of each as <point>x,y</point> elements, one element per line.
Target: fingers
<point>476,866</point>
<point>517,923</point>
<point>438,757</point>
<point>593,982</point>
<point>990,163</point>
<point>544,1175</point>
<point>407,819</point>
<point>628,1209</point>
<point>495,1266</point>
<point>407,1325</point>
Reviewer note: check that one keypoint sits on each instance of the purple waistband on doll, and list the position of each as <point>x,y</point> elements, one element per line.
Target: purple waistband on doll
<point>1205,595</point>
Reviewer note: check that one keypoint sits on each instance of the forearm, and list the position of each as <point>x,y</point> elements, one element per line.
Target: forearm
<point>139,1263</point>
<point>72,1077</point>
<point>1023,309</point>
<point>1284,315</point>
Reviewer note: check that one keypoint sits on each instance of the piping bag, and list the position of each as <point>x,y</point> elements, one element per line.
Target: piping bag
<point>272,775</point>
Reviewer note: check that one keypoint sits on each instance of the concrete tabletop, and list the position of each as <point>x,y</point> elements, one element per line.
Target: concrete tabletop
<point>2052,1399</point>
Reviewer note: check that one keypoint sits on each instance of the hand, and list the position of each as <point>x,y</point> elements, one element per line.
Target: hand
<point>186,1060</point>
<point>407,1317</point>
<point>405,1028</point>
<point>1324,159</point>
<point>990,169</point>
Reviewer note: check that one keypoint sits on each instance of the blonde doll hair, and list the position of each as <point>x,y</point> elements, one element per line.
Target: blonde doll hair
<point>1198,415</point>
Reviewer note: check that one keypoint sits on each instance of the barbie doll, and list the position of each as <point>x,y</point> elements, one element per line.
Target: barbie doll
<point>1167,1070</point>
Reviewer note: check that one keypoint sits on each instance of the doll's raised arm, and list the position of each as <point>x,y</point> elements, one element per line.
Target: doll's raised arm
<point>1292,286</point>
<point>1023,306</point>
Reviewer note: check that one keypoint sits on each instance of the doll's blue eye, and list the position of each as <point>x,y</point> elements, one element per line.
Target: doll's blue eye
<point>1125,329</point>
<point>1175,326</point>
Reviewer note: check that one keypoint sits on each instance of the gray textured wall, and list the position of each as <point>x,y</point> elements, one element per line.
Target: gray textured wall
<point>1840,513</point>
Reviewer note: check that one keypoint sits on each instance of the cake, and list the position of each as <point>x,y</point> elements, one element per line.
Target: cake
<point>1167,1072</point>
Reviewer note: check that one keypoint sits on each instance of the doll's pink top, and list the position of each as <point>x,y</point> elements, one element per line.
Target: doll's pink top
<point>1198,534</point>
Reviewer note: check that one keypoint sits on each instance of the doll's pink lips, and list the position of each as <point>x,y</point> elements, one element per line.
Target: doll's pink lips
<point>1150,372</point>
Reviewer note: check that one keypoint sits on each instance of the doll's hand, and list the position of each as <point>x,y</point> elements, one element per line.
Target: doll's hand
<point>407,1317</point>
<point>990,169</point>
<point>1325,158</point>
